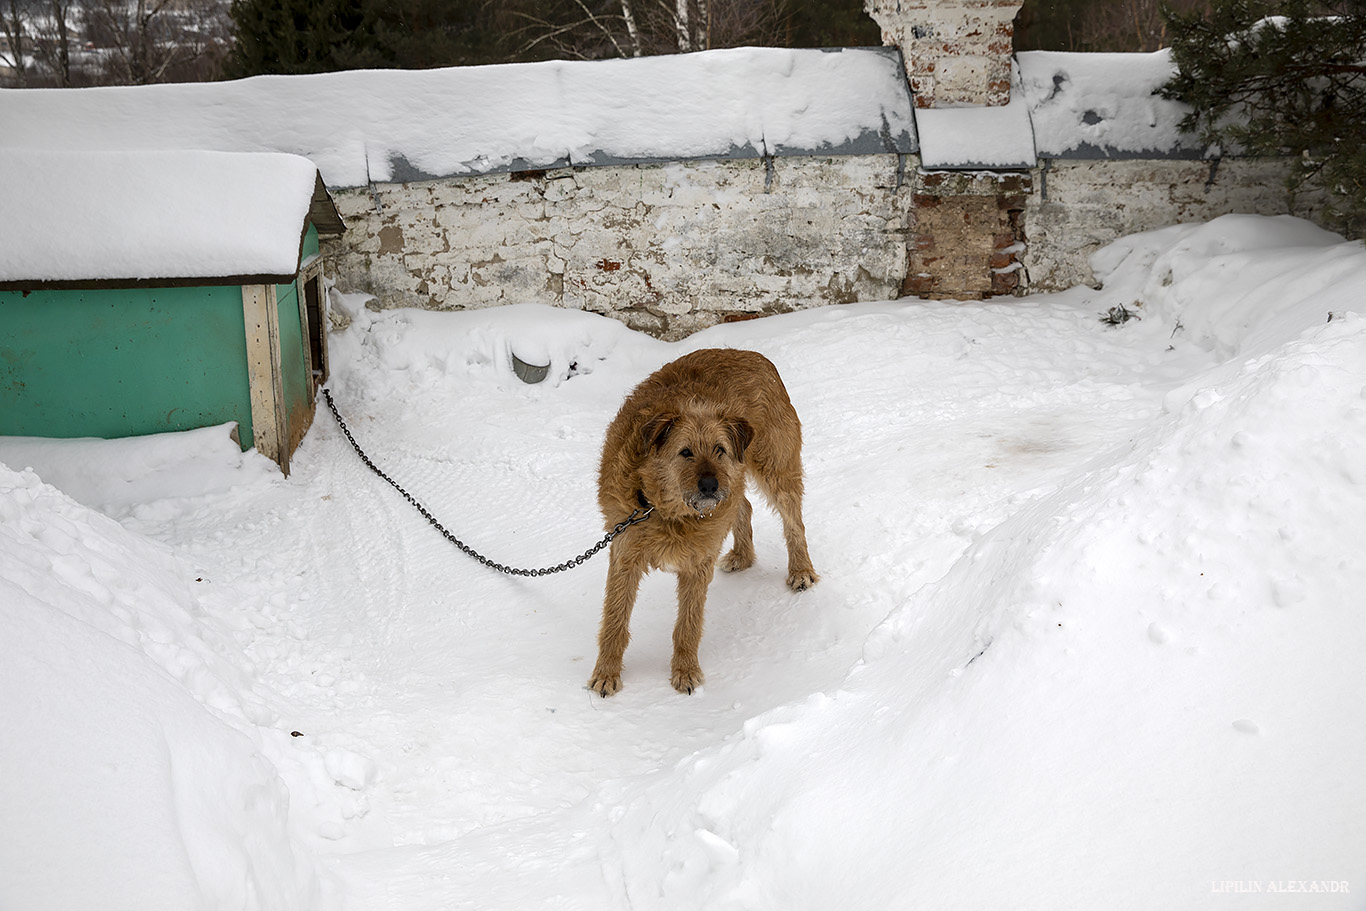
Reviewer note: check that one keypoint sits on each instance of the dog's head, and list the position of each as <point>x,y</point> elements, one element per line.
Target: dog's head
<point>693,459</point>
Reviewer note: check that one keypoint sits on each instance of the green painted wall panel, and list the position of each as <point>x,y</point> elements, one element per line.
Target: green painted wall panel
<point>114,363</point>
<point>296,377</point>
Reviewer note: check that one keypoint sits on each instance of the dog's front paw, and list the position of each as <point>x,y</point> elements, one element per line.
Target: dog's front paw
<point>687,679</point>
<point>604,683</point>
<point>802,579</point>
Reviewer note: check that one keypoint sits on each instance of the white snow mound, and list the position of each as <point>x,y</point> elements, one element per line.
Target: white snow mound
<point>124,784</point>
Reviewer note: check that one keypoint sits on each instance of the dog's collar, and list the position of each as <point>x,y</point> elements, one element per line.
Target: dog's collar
<point>640,498</point>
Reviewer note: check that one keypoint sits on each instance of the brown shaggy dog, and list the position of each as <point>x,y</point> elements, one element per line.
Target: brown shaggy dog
<point>684,442</point>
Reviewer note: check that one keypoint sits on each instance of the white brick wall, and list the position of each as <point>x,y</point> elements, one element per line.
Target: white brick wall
<point>666,248</point>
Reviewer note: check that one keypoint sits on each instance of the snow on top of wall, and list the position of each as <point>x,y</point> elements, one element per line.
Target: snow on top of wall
<point>977,136</point>
<point>1063,105</point>
<point>1086,105</point>
<point>80,216</point>
<point>383,125</point>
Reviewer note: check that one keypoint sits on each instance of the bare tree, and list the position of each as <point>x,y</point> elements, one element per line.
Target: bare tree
<point>681,27</point>
<point>605,28</point>
<point>104,42</point>
<point>575,30</point>
<point>14,29</point>
<point>128,31</point>
<point>146,41</point>
<point>52,36</point>
<point>628,17</point>
<point>1130,25</point>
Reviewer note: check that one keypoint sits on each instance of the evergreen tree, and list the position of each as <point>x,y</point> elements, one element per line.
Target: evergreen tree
<point>831,23</point>
<point>1282,78</point>
<point>415,34</point>
<point>301,36</point>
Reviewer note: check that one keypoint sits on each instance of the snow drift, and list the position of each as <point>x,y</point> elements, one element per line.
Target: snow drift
<point>1125,694</point>
<point>1089,633</point>
<point>125,784</point>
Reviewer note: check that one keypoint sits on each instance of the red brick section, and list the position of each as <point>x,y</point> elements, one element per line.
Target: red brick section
<point>1006,272</point>
<point>967,236</point>
<point>956,51</point>
<point>967,228</point>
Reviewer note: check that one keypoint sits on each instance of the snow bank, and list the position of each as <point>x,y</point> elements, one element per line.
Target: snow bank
<point>151,214</point>
<point>113,476</point>
<point>381,125</point>
<point>1139,689</point>
<point>1030,734</point>
<point>1239,284</point>
<point>123,783</point>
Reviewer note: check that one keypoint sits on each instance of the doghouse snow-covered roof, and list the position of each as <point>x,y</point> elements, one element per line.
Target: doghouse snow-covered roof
<point>396,125</point>
<point>156,217</point>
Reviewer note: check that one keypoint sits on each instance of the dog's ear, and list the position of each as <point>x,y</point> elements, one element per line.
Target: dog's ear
<point>741,435</point>
<point>655,432</point>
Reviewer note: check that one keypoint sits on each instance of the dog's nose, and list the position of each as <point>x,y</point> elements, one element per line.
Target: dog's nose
<point>706,485</point>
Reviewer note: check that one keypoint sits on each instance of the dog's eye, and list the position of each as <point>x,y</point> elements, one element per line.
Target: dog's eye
<point>686,453</point>
<point>720,450</point>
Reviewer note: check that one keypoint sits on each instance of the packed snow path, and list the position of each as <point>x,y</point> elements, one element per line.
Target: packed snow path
<point>468,687</point>
<point>963,685</point>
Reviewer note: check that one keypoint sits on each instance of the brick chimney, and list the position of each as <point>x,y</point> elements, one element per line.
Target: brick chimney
<point>956,51</point>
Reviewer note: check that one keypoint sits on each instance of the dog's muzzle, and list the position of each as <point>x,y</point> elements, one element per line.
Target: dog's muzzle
<point>708,495</point>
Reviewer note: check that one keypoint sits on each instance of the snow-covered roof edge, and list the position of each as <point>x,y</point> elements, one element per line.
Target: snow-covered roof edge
<point>157,219</point>
<point>367,126</point>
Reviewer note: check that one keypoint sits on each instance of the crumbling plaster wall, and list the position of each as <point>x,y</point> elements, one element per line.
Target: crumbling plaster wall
<point>956,51</point>
<point>1077,207</point>
<point>668,249</point>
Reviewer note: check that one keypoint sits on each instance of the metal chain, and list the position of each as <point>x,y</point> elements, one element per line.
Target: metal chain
<point>638,515</point>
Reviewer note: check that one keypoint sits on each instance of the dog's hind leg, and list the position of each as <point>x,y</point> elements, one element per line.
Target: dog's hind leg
<point>686,673</point>
<point>785,494</point>
<point>623,582</point>
<point>741,555</point>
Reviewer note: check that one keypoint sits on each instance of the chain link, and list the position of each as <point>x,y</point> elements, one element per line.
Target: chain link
<point>638,515</point>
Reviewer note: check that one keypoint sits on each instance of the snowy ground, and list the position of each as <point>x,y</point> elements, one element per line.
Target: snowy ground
<point>1089,632</point>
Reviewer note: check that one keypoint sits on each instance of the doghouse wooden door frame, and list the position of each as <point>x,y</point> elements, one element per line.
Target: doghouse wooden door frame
<point>262,317</point>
